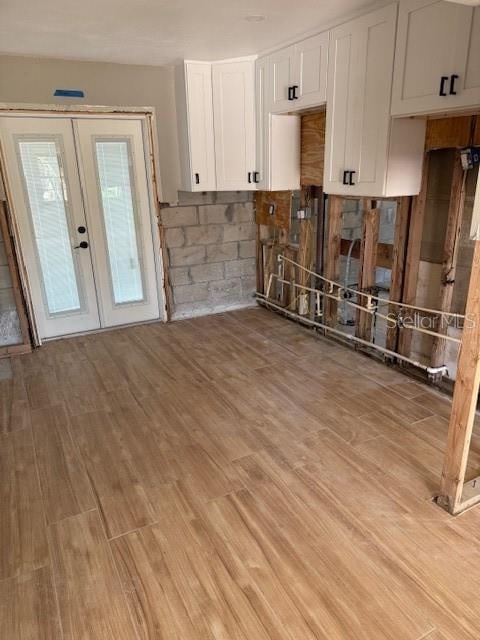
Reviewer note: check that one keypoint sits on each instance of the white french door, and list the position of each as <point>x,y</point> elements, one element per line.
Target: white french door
<point>81,199</point>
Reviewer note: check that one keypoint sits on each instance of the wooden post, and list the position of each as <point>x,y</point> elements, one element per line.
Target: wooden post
<point>402,219</point>
<point>450,253</point>
<point>332,264</point>
<point>465,397</point>
<point>368,262</point>
<point>413,254</point>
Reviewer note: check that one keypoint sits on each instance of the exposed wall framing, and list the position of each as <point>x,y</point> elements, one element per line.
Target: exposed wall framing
<point>368,262</point>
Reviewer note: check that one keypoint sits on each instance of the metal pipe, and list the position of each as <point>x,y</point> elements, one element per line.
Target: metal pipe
<point>303,320</point>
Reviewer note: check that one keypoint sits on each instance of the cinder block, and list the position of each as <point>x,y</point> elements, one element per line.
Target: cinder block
<point>187,256</point>
<point>249,286</point>
<point>190,293</point>
<point>234,196</point>
<point>206,234</point>
<point>222,252</point>
<point>243,212</point>
<point>241,231</point>
<point>3,256</point>
<point>207,272</point>
<point>230,288</point>
<point>179,216</point>
<point>179,275</point>
<point>240,268</point>
<point>174,237</point>
<point>213,214</point>
<point>247,249</point>
<point>196,197</point>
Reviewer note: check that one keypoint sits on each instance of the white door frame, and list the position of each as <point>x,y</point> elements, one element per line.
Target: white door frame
<point>147,115</point>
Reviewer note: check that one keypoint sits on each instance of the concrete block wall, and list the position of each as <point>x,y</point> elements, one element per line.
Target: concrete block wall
<point>210,239</point>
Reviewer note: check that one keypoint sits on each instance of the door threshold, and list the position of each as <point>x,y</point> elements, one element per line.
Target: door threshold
<point>101,330</point>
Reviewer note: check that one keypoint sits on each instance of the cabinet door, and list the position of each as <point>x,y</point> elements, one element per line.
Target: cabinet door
<point>432,43</point>
<point>310,71</point>
<point>340,132</point>
<point>199,147</point>
<point>262,124</point>
<point>281,78</point>
<point>234,124</point>
<point>358,113</point>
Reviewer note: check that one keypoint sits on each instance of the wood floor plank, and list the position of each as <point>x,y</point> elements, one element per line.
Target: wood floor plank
<point>91,600</point>
<point>28,607</point>
<point>121,498</point>
<point>23,546</point>
<point>65,485</point>
<point>248,481</point>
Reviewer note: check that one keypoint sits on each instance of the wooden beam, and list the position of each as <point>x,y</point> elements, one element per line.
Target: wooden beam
<point>332,263</point>
<point>465,397</point>
<point>450,254</point>
<point>412,262</point>
<point>402,220</point>
<point>448,133</point>
<point>368,262</point>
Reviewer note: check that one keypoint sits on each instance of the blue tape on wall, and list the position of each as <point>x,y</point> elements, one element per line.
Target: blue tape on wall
<point>69,93</point>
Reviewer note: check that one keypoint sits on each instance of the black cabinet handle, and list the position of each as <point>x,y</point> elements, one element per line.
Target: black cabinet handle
<point>290,93</point>
<point>197,178</point>
<point>442,91</point>
<point>249,177</point>
<point>350,180</point>
<point>345,174</point>
<point>294,92</point>
<point>256,177</point>
<point>452,84</point>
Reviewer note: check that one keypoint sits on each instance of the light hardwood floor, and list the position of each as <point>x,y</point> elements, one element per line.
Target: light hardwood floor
<point>227,478</point>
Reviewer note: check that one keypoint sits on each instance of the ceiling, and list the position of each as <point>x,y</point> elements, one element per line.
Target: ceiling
<point>159,31</point>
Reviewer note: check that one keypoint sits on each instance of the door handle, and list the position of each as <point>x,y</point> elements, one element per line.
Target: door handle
<point>452,84</point>
<point>350,180</point>
<point>83,245</point>
<point>256,177</point>
<point>442,91</point>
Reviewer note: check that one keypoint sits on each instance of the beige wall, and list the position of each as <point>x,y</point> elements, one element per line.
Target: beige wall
<point>33,80</point>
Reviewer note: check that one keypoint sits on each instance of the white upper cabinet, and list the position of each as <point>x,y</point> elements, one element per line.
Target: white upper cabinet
<point>310,71</point>
<point>195,126</point>
<point>298,75</point>
<point>437,62</point>
<point>366,153</point>
<point>278,140</point>
<point>234,124</point>
<point>281,66</point>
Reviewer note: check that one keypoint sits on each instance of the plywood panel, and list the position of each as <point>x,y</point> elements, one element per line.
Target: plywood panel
<point>444,133</point>
<point>312,147</point>
<point>282,202</point>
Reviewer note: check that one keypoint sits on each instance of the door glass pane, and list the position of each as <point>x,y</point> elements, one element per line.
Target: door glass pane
<point>48,200</point>
<point>120,219</point>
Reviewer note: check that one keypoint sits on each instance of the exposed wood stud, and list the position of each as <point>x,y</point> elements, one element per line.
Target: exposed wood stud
<point>332,265</point>
<point>368,261</point>
<point>412,262</point>
<point>450,254</point>
<point>402,219</point>
<point>465,397</point>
